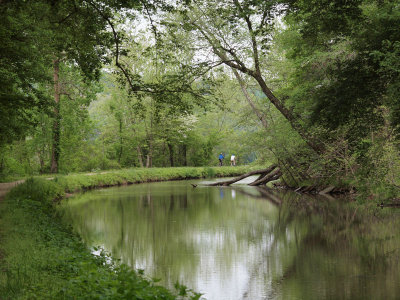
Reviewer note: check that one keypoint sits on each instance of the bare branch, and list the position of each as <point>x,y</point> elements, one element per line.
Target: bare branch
<point>117,46</point>
<point>252,35</point>
<point>217,47</point>
<point>242,84</point>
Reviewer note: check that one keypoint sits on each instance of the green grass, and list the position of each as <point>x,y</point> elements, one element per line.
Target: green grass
<point>41,257</point>
<point>74,182</point>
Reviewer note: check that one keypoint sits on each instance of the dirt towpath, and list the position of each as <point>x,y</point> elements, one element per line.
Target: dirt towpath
<point>7,186</point>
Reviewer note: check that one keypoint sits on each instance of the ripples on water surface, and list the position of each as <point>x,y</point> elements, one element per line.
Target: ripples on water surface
<point>243,242</point>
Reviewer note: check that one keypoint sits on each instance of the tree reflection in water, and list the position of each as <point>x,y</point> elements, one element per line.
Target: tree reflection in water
<point>243,242</point>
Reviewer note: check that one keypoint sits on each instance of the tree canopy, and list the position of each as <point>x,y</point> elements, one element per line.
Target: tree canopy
<point>310,85</point>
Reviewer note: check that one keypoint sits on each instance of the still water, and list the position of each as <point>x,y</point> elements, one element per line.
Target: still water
<point>244,242</point>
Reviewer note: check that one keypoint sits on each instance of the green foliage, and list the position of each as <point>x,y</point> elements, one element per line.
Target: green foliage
<point>185,291</point>
<point>162,123</point>
<point>333,65</point>
<point>22,66</point>
<point>32,35</point>
<point>325,18</point>
<point>346,68</point>
<point>378,174</point>
<point>210,172</point>
<point>340,76</point>
<point>40,190</point>
<point>10,162</point>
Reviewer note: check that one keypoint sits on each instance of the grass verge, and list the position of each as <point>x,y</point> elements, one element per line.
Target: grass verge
<point>41,257</point>
<point>75,182</point>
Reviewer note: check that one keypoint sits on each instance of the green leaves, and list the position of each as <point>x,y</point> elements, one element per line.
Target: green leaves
<point>32,34</point>
<point>325,18</point>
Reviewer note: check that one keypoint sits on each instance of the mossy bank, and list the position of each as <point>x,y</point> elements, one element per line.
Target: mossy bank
<point>41,257</point>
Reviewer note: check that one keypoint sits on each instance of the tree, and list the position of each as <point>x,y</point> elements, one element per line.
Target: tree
<point>22,67</point>
<point>238,34</point>
<point>348,53</point>
<point>38,36</point>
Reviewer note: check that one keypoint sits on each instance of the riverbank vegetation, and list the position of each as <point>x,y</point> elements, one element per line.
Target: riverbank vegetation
<point>311,86</point>
<point>37,247</point>
<point>82,182</point>
<point>90,86</point>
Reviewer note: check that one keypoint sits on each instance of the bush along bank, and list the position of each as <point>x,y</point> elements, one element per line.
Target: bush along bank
<point>41,257</point>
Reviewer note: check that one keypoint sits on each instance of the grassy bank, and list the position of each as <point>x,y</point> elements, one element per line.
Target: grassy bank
<point>41,258</point>
<point>75,182</point>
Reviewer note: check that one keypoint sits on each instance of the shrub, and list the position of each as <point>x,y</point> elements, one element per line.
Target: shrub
<point>38,189</point>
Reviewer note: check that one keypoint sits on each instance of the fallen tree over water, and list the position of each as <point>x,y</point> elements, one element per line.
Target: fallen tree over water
<point>265,175</point>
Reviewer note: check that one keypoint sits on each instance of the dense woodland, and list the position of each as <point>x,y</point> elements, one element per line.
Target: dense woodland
<point>310,85</point>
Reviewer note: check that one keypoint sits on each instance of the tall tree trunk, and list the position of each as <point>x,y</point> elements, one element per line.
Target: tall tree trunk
<point>171,153</point>
<point>149,160</point>
<point>164,149</point>
<point>294,122</point>
<point>140,156</point>
<point>41,161</point>
<point>55,152</point>
<point>120,141</point>
<point>151,156</point>
<point>149,133</point>
<point>184,148</point>
<point>2,156</point>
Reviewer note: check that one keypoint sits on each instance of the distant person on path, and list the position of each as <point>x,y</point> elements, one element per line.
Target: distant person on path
<point>220,157</point>
<point>233,160</point>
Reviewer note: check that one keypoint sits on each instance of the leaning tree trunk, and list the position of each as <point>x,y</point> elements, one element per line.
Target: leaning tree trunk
<point>262,178</point>
<point>267,177</point>
<point>293,121</point>
<point>231,59</point>
<point>55,152</point>
<point>243,87</point>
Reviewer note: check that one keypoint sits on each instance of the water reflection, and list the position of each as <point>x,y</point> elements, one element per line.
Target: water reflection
<point>243,242</point>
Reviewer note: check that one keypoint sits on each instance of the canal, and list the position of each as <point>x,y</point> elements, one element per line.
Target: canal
<point>243,242</point>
